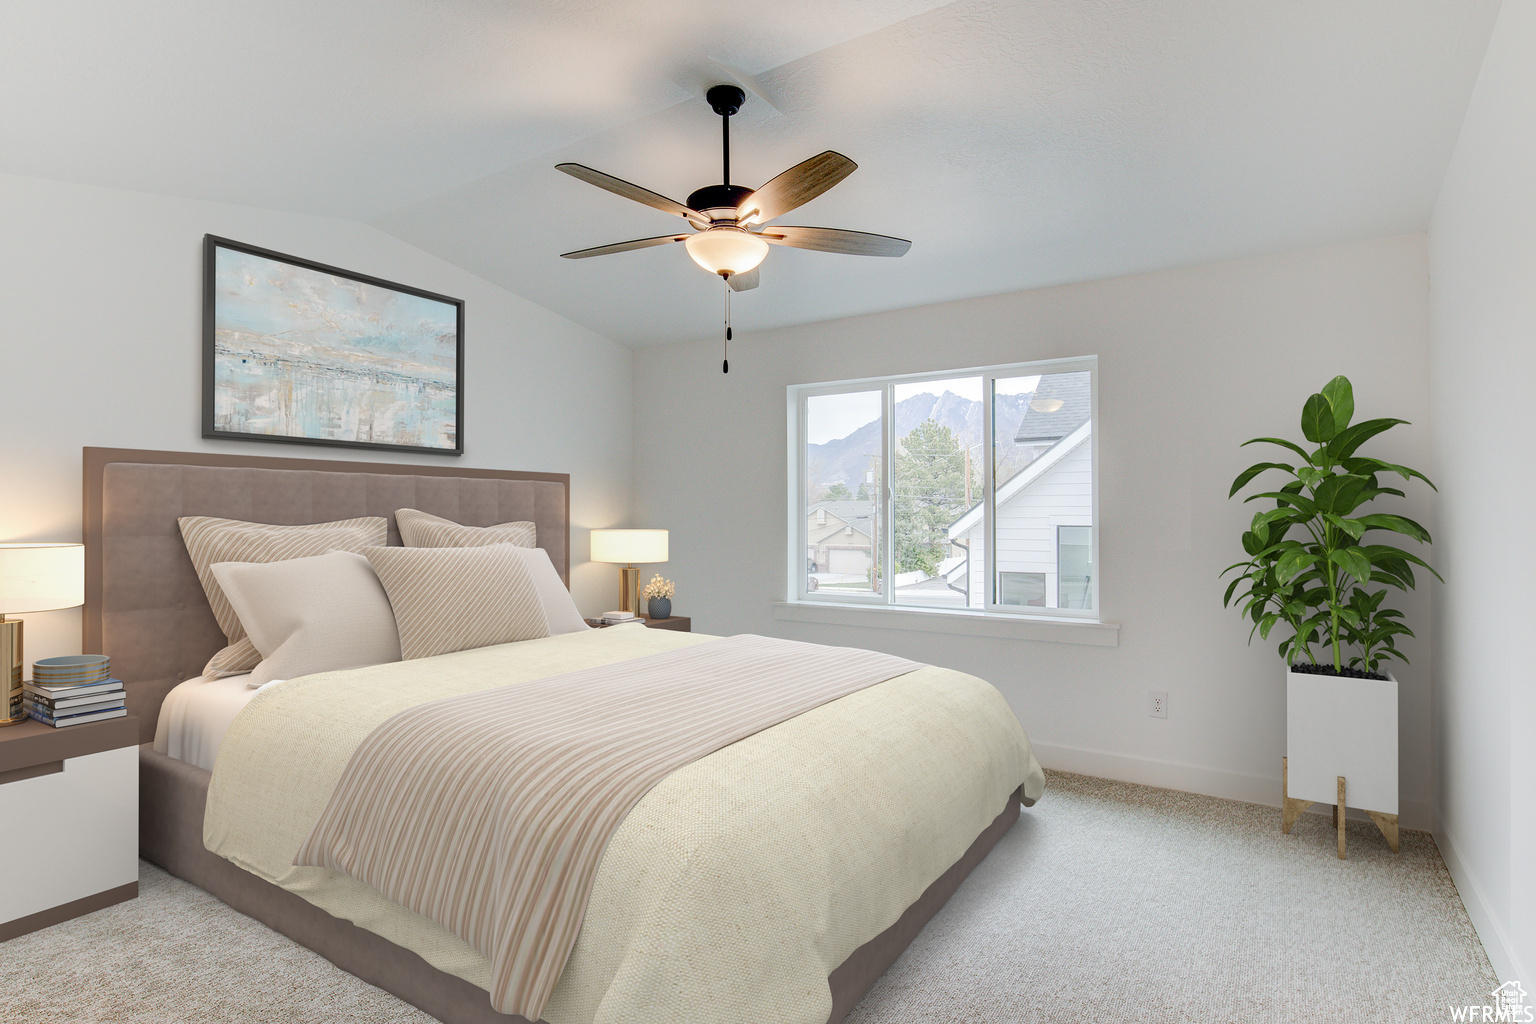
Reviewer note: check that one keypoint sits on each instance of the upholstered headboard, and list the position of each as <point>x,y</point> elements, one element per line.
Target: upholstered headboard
<point>143,603</point>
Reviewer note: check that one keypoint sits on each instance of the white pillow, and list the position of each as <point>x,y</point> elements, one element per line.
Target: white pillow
<point>559,610</point>
<point>313,614</point>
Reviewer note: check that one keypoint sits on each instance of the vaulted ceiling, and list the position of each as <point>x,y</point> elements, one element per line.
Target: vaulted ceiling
<point>1018,144</point>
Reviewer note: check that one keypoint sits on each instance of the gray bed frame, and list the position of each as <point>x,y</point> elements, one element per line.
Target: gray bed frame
<point>145,607</point>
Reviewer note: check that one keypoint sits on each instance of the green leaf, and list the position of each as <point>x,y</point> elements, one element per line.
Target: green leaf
<point>1293,561</point>
<point>1339,493</point>
<point>1262,519</point>
<point>1341,401</point>
<point>1317,421</point>
<point>1385,553</point>
<point>1282,443</point>
<point>1353,561</point>
<point>1287,501</point>
<point>1397,524</point>
<point>1253,471</point>
<point>1379,466</point>
<point>1343,446</point>
<point>1349,526</point>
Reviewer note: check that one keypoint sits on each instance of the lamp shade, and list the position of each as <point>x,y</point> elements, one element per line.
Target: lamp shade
<point>726,250</point>
<point>629,546</point>
<point>41,577</point>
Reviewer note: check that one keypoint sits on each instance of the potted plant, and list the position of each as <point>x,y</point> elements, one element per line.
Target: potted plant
<point>1314,570</point>
<point>658,597</point>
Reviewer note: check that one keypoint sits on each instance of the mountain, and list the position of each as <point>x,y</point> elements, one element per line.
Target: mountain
<point>846,459</point>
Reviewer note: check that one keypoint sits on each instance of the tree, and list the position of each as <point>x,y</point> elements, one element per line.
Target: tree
<point>837,492</point>
<point>863,494</point>
<point>929,494</point>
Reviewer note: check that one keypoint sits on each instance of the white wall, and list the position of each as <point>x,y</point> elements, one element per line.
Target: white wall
<point>1483,365</point>
<point>100,345</point>
<point>1192,362</point>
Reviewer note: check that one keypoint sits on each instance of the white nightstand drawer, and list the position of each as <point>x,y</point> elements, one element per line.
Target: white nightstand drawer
<point>71,834</point>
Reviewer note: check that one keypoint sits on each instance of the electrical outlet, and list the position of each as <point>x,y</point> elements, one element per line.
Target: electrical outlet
<point>1157,703</point>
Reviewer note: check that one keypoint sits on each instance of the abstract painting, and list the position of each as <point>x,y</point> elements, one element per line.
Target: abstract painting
<point>303,353</point>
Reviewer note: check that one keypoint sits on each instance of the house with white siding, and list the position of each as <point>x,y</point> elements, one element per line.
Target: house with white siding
<point>1044,511</point>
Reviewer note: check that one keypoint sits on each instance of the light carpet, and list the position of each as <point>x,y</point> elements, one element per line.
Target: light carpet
<point>1106,902</point>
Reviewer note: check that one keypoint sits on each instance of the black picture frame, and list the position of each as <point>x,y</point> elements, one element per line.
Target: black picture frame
<point>212,244</point>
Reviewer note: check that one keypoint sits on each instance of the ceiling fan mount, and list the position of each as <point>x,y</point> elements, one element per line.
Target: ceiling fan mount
<point>726,100</point>
<point>729,234</point>
<point>718,197</point>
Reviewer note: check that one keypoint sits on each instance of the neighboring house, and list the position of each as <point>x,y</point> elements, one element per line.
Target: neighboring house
<point>1044,511</point>
<point>839,537</point>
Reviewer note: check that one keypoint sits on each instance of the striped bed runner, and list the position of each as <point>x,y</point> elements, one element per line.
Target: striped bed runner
<point>489,813</point>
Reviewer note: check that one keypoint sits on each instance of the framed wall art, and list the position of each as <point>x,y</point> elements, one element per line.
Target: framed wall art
<point>303,353</point>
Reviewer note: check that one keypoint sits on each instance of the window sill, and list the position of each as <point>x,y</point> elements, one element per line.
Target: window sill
<point>1013,627</point>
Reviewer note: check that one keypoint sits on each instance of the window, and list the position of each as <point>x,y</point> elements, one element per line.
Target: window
<point>971,489</point>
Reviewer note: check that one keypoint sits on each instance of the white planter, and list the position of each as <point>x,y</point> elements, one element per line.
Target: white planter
<point>1336,726</point>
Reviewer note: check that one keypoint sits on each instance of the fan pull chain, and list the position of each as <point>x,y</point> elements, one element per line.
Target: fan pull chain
<point>725,365</point>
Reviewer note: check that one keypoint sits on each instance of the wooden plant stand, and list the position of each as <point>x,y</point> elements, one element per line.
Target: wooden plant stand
<point>1292,809</point>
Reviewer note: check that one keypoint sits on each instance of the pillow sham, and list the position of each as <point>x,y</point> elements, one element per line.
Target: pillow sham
<point>210,540</point>
<point>311,614</point>
<point>457,599</point>
<point>423,530</point>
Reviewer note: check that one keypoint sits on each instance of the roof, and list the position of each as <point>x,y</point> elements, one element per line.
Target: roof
<point>1062,402</point>
<point>1026,476</point>
<point>847,511</point>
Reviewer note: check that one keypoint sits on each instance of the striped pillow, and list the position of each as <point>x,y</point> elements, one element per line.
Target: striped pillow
<point>211,540</point>
<point>421,530</point>
<point>457,599</point>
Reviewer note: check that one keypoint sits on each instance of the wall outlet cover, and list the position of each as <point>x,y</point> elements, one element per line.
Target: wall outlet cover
<point>1157,703</point>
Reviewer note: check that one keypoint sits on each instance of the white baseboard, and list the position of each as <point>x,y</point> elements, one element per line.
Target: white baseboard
<point>1253,789</point>
<point>1495,942</point>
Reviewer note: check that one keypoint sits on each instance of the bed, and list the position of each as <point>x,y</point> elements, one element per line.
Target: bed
<point>146,608</point>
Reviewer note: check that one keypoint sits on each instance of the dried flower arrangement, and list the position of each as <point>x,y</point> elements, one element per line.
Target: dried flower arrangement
<point>658,587</point>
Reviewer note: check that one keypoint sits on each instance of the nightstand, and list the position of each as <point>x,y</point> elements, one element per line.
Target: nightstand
<point>70,802</point>
<point>681,623</point>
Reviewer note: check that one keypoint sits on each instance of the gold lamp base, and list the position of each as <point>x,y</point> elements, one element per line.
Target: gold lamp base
<point>11,712</point>
<point>629,588</point>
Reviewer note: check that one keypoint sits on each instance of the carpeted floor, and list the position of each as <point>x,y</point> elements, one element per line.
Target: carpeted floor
<point>1106,902</point>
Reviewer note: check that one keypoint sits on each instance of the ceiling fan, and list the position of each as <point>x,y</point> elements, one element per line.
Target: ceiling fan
<point>730,235</point>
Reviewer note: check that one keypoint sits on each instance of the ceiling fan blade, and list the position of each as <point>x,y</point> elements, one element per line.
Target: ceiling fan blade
<point>743,282</point>
<point>854,243</point>
<point>638,243</point>
<point>796,187</point>
<point>629,190</point>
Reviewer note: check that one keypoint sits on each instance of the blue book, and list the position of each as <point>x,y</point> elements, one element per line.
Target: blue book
<point>37,714</point>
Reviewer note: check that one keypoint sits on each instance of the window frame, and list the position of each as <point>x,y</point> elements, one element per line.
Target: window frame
<point>796,409</point>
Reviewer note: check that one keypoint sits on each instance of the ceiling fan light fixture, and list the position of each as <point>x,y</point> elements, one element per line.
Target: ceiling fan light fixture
<point>726,250</point>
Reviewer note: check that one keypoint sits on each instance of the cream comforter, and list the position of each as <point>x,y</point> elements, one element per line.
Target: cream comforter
<point>731,890</point>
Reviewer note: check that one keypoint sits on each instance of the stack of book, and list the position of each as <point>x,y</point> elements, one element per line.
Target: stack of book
<point>73,691</point>
<point>615,618</point>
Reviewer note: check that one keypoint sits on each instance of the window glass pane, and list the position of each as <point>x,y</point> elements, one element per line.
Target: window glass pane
<point>843,478</point>
<point>937,477</point>
<point>1021,588</point>
<point>1043,479</point>
<point>1074,555</point>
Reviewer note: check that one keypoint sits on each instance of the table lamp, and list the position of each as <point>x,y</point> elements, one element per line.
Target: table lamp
<point>629,547</point>
<point>33,578</point>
